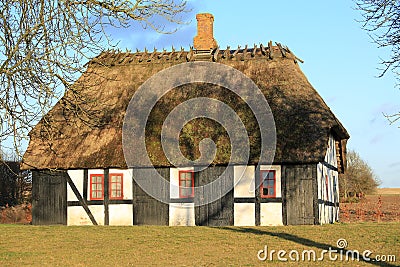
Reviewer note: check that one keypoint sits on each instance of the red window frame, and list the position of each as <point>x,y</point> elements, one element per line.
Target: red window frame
<point>183,185</point>
<point>119,186</point>
<point>94,186</point>
<point>268,186</point>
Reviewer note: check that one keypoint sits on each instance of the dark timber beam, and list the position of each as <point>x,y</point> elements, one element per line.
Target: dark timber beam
<point>80,199</point>
<point>106,197</point>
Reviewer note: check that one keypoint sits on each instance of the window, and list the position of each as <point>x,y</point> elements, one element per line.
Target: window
<point>116,182</point>
<point>268,184</point>
<point>115,187</point>
<point>186,184</point>
<point>96,186</point>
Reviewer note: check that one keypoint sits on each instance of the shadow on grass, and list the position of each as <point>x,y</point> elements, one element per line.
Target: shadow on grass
<point>308,243</point>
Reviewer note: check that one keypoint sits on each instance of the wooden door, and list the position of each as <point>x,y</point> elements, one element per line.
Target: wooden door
<point>49,197</point>
<point>300,194</point>
<point>219,212</point>
<point>146,209</point>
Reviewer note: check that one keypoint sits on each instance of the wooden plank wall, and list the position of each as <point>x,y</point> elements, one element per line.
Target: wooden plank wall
<point>49,197</point>
<point>219,212</point>
<point>9,171</point>
<point>146,209</point>
<point>300,191</point>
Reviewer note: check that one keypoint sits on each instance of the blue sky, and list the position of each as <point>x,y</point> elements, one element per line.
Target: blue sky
<point>340,62</point>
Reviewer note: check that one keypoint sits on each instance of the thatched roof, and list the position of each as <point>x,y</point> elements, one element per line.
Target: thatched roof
<point>68,137</point>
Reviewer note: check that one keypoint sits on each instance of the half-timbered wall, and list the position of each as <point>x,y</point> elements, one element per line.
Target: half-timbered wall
<point>328,186</point>
<point>181,210</point>
<point>244,194</point>
<point>105,210</point>
<point>271,208</point>
<point>300,195</point>
<point>250,208</point>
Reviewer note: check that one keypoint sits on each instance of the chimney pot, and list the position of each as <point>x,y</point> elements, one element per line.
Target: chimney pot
<point>205,33</point>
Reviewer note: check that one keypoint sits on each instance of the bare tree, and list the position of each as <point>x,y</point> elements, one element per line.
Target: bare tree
<point>44,45</point>
<point>358,178</point>
<point>381,19</point>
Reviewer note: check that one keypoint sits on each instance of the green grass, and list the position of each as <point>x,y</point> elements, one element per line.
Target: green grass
<point>24,245</point>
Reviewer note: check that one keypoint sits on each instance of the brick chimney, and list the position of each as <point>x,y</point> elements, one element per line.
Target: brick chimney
<point>205,33</point>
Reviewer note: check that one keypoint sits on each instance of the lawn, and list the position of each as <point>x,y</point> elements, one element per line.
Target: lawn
<point>22,245</point>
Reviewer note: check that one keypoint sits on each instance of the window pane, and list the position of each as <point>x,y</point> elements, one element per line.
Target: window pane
<point>271,183</point>
<point>271,191</point>
<point>186,175</point>
<point>271,175</point>
<point>113,178</point>
<point>265,191</point>
<point>185,183</point>
<point>265,183</point>
<point>186,191</point>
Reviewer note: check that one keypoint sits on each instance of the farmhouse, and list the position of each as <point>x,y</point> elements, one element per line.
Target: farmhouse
<point>78,157</point>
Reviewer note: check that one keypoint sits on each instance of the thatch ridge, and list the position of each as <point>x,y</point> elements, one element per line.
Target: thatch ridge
<point>116,57</point>
<point>63,141</point>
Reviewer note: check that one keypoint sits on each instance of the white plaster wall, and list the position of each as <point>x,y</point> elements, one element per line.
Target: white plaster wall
<point>94,171</point>
<point>77,216</point>
<point>244,181</point>
<point>271,214</point>
<point>76,177</point>
<point>244,214</point>
<point>121,214</point>
<point>174,180</point>
<point>277,169</point>
<point>330,156</point>
<point>181,214</point>
<point>127,181</point>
